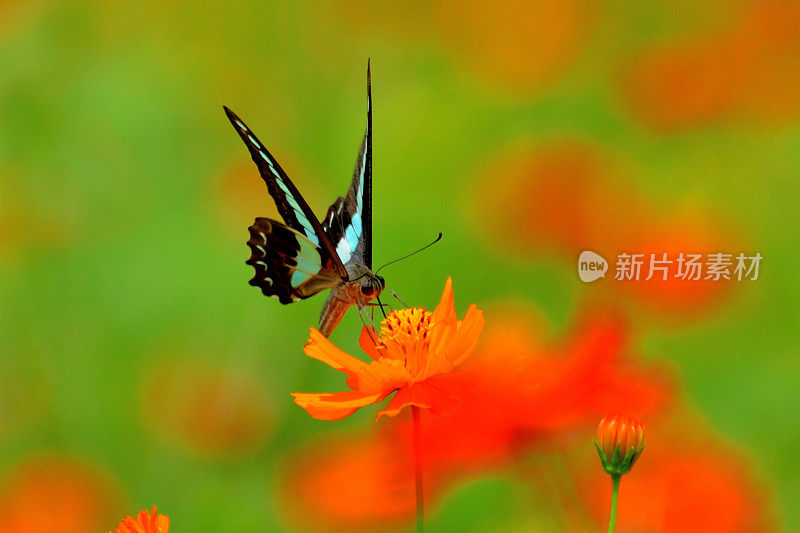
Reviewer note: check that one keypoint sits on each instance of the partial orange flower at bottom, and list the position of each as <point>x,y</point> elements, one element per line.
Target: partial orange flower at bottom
<point>144,523</point>
<point>415,347</point>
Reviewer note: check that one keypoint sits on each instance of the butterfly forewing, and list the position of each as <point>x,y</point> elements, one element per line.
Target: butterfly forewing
<point>348,222</point>
<point>291,205</point>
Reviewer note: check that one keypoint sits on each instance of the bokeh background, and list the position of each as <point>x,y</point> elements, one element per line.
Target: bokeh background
<point>139,368</point>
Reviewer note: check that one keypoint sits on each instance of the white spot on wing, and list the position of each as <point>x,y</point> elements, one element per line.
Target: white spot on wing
<point>253,140</point>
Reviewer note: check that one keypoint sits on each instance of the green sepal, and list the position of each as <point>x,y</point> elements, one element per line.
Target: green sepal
<point>617,466</point>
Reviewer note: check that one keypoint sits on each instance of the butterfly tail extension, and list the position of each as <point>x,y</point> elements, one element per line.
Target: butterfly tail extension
<point>287,265</point>
<point>332,312</point>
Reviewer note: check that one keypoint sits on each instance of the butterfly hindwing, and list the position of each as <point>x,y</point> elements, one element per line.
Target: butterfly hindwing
<point>348,222</point>
<point>291,205</point>
<point>288,266</point>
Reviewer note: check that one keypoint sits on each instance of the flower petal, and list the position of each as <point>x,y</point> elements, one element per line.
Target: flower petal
<point>334,406</point>
<point>465,340</point>
<point>385,375</point>
<point>367,342</point>
<point>445,312</point>
<point>423,395</point>
<point>145,522</point>
<point>322,349</point>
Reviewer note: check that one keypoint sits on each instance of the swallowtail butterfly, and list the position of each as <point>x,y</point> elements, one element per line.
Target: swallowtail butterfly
<point>303,256</point>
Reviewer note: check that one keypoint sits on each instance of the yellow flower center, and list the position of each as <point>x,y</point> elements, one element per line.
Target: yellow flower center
<point>406,325</point>
<point>407,332</point>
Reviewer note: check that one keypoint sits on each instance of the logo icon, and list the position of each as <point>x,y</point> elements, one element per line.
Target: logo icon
<point>591,266</point>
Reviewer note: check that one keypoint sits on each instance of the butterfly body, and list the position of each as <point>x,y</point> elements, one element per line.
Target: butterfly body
<point>366,286</point>
<point>303,256</point>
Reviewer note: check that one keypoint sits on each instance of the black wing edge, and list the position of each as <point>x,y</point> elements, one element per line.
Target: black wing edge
<point>366,219</point>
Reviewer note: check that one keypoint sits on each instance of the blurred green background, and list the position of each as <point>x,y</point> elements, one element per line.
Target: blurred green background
<point>133,349</point>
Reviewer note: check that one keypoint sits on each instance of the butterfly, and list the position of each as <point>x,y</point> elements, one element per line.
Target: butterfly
<point>303,256</point>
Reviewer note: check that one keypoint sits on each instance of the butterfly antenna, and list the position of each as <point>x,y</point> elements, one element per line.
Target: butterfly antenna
<point>412,253</point>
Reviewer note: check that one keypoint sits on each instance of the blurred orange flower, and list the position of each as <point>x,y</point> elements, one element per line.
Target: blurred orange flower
<point>746,69</point>
<point>518,393</point>
<point>415,347</point>
<point>144,523</point>
<point>566,196</point>
<point>350,483</point>
<point>508,45</point>
<point>213,410</point>
<point>517,390</point>
<point>56,493</point>
<point>522,47</point>
<point>24,223</point>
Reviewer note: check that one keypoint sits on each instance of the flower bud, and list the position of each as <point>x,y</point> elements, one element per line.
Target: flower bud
<point>620,440</point>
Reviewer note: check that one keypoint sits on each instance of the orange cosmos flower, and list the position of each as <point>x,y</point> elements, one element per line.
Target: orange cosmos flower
<point>414,348</point>
<point>144,523</point>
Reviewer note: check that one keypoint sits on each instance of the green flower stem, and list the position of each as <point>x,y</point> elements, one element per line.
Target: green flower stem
<point>612,519</point>
<point>418,467</point>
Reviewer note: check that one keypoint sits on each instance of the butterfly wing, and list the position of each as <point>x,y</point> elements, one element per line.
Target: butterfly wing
<point>288,265</point>
<point>348,222</point>
<point>291,205</point>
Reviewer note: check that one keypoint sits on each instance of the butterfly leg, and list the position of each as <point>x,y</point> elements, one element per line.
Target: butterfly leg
<point>370,329</point>
<point>361,314</point>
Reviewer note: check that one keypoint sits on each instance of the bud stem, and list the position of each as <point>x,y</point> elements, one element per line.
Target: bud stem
<point>612,519</point>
